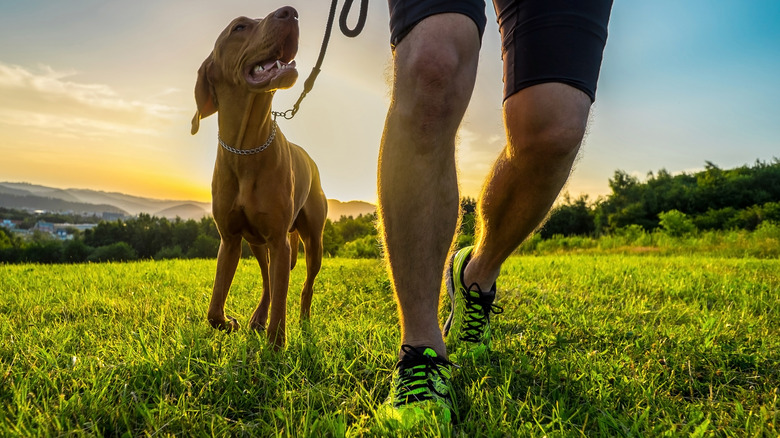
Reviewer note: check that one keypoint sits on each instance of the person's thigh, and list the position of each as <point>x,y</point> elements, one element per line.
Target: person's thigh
<point>552,41</point>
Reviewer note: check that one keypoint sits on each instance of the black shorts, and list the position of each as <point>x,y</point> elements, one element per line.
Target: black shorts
<point>542,40</point>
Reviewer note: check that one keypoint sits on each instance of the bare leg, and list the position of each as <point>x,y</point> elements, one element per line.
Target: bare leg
<point>545,125</point>
<point>435,69</point>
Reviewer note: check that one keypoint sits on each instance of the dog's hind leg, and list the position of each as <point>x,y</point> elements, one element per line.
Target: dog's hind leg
<point>279,274</point>
<point>313,248</point>
<point>294,241</point>
<point>227,262</point>
<point>310,224</point>
<point>260,316</point>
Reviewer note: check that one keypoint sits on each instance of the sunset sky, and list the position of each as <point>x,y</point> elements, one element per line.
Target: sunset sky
<point>99,95</point>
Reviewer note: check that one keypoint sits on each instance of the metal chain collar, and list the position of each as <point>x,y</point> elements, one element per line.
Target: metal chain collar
<point>256,150</point>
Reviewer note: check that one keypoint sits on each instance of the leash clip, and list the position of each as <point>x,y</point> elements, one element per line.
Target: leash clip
<point>287,115</point>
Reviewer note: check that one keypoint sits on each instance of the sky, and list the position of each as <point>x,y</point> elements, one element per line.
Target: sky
<point>99,95</point>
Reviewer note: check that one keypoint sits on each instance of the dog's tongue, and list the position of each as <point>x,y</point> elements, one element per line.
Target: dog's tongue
<point>272,64</point>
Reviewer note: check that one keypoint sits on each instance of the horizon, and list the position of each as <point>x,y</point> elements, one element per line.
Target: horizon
<point>90,98</point>
<point>141,196</point>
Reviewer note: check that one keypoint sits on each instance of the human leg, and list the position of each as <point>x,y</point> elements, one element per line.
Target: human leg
<point>545,125</point>
<point>552,56</point>
<point>550,74</point>
<point>435,68</point>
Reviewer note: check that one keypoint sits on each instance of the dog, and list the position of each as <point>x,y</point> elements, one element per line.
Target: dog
<point>265,189</point>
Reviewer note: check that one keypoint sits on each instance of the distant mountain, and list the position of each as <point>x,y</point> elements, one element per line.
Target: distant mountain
<point>184,211</point>
<point>32,202</point>
<point>337,209</point>
<point>37,197</point>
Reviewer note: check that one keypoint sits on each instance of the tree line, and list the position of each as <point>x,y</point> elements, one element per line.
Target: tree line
<point>149,237</point>
<point>713,199</point>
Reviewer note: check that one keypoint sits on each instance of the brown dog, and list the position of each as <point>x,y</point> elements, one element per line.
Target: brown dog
<point>264,189</point>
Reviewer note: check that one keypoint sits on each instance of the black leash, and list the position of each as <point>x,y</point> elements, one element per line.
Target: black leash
<point>351,33</point>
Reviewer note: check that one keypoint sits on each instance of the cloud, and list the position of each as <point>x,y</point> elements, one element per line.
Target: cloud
<point>69,127</point>
<point>48,99</point>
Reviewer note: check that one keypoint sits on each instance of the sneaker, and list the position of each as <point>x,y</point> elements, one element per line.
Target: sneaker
<point>421,388</point>
<point>467,330</point>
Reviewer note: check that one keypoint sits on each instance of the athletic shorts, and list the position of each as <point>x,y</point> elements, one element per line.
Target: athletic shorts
<point>542,40</point>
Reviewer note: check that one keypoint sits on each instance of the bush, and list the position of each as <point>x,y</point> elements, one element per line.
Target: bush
<point>631,233</point>
<point>116,252</point>
<point>676,223</point>
<point>366,247</point>
<point>169,252</point>
<point>76,251</point>
<point>331,239</point>
<point>42,251</point>
<point>767,231</point>
<point>715,219</point>
<point>204,247</point>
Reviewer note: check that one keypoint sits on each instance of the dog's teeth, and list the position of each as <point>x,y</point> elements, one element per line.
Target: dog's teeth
<point>258,68</point>
<point>278,64</point>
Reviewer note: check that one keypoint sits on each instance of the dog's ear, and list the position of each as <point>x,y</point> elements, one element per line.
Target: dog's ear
<point>205,98</point>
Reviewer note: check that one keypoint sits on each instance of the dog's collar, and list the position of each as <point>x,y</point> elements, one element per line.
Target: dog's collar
<point>256,150</point>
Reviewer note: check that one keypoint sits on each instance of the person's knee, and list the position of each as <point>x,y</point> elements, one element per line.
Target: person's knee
<point>547,126</point>
<point>435,71</point>
<point>432,76</point>
<point>553,140</point>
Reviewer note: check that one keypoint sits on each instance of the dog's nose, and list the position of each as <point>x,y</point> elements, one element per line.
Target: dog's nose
<point>286,13</point>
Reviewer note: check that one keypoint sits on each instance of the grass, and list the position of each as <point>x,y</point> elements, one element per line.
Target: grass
<point>588,345</point>
<point>762,243</point>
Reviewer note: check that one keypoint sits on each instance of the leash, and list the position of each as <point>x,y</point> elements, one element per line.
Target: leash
<point>351,33</point>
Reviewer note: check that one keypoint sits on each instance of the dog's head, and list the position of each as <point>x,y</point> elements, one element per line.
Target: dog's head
<point>250,55</point>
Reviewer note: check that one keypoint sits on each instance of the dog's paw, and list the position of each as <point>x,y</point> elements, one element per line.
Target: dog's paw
<point>229,325</point>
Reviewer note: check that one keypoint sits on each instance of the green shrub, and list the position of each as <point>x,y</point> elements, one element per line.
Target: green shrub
<point>204,247</point>
<point>366,247</point>
<point>676,223</point>
<point>116,252</point>
<point>76,251</point>
<point>169,252</point>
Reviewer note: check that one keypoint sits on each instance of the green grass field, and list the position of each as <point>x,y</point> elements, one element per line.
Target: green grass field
<point>588,345</point>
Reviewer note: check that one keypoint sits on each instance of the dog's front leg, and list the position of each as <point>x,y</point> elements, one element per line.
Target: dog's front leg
<point>280,278</point>
<point>227,262</point>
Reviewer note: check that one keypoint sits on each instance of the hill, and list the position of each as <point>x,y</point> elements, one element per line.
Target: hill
<point>85,201</point>
<point>337,209</point>
<point>32,202</point>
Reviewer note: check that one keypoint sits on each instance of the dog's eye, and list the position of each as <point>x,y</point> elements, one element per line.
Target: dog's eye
<point>239,27</point>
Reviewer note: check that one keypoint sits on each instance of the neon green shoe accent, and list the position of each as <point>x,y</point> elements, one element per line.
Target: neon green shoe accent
<point>467,330</point>
<point>421,390</point>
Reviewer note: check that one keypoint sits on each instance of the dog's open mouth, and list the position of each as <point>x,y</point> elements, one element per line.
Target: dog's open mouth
<point>265,71</point>
<point>282,64</point>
